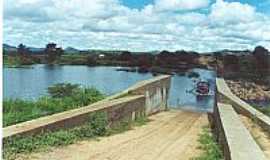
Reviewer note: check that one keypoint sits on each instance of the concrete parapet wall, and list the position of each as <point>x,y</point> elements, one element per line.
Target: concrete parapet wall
<point>123,108</point>
<point>155,90</point>
<point>235,139</point>
<point>143,98</point>
<point>224,94</point>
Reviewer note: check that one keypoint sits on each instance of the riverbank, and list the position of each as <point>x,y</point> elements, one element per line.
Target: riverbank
<point>257,95</point>
<point>250,91</point>
<point>61,97</point>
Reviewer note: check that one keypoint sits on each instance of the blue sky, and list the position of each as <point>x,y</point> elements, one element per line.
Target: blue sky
<point>139,4</point>
<point>139,25</point>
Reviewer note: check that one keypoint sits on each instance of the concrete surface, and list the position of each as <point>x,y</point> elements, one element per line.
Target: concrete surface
<point>224,93</point>
<point>144,98</point>
<point>237,142</point>
<point>116,109</point>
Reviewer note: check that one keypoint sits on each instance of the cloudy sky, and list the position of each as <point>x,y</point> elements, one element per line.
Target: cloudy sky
<point>139,25</point>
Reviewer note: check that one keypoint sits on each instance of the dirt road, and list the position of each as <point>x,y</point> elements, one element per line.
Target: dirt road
<point>169,135</point>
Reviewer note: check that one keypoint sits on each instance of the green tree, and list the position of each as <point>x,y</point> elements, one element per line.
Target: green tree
<point>53,53</point>
<point>261,56</point>
<point>22,50</point>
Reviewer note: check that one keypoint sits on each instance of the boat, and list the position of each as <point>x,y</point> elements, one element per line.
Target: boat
<point>202,88</point>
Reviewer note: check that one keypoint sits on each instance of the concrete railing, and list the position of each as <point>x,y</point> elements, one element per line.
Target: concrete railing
<point>225,95</point>
<point>144,98</point>
<point>235,139</point>
<point>155,90</point>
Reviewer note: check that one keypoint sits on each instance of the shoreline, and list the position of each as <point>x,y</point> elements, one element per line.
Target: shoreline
<point>250,92</point>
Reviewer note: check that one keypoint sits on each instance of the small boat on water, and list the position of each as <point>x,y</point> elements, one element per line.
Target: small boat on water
<point>202,88</point>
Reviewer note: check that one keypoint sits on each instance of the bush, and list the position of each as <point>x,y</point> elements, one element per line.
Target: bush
<point>209,146</point>
<point>61,90</point>
<point>97,125</point>
<point>15,111</point>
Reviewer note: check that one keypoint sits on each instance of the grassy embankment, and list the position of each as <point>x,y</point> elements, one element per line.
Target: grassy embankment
<point>62,97</point>
<point>210,148</point>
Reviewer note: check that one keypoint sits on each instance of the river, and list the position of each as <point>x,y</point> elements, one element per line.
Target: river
<point>31,83</point>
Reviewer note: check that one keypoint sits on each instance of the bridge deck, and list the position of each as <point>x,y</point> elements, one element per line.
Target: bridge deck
<point>168,136</point>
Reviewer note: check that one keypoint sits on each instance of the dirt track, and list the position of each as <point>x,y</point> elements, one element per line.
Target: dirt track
<point>169,135</point>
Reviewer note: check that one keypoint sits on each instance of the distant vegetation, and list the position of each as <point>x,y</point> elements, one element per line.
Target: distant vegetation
<point>61,97</point>
<point>254,66</point>
<point>248,65</point>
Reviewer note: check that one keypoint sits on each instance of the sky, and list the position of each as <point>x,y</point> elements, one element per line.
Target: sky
<point>139,25</point>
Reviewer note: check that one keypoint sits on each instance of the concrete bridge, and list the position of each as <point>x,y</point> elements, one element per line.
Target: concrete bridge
<point>170,134</point>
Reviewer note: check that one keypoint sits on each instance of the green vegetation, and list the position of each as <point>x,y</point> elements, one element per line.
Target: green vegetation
<point>16,62</point>
<point>61,97</point>
<point>97,125</point>
<point>11,61</point>
<point>265,110</point>
<point>73,59</point>
<point>209,146</point>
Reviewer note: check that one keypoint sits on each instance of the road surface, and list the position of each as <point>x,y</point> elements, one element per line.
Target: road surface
<point>170,135</point>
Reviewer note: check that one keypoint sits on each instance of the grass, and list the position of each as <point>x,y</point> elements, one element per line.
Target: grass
<point>211,150</point>
<point>265,110</point>
<point>17,62</point>
<point>97,125</point>
<point>11,61</point>
<point>16,111</point>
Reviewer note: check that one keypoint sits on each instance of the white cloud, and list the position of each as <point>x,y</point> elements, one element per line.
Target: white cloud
<point>176,5</point>
<point>231,12</point>
<point>108,24</point>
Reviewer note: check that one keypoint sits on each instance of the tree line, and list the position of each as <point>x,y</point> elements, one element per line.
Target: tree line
<point>51,52</point>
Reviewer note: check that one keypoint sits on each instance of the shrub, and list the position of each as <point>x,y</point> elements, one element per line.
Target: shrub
<point>16,111</point>
<point>61,90</point>
<point>209,146</point>
<point>97,125</point>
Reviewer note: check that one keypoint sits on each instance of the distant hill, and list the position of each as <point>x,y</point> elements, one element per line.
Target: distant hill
<point>9,48</point>
<point>70,50</point>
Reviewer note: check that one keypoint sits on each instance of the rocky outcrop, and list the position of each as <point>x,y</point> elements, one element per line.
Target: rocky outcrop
<point>249,91</point>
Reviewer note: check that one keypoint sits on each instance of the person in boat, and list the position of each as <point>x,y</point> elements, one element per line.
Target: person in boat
<point>202,87</point>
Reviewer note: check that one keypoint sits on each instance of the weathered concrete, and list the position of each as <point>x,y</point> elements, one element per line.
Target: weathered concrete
<point>127,107</point>
<point>235,139</point>
<point>155,90</point>
<point>144,98</point>
<point>225,95</point>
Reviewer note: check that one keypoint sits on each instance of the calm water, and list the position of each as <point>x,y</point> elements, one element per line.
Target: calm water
<point>32,83</point>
